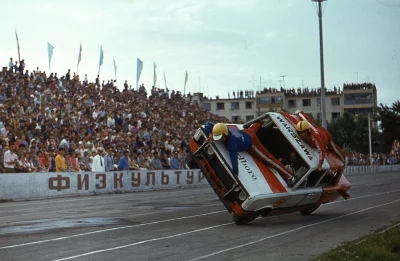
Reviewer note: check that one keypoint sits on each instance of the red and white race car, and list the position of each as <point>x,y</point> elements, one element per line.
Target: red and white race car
<point>259,189</point>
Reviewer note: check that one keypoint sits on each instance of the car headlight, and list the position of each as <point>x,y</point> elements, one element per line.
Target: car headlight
<point>242,196</point>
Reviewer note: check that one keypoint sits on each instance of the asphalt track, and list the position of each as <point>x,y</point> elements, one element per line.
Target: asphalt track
<point>188,224</point>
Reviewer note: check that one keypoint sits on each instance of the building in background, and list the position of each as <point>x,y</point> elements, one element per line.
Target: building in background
<point>360,98</point>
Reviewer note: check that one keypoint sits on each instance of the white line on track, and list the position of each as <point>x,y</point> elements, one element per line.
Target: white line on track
<point>387,229</point>
<point>288,231</point>
<point>158,222</point>
<point>365,196</point>
<point>100,212</point>
<point>123,210</point>
<point>109,229</point>
<point>145,241</point>
<point>86,197</point>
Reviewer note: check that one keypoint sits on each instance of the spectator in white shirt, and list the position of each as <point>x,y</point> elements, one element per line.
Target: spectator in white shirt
<point>98,161</point>
<point>110,121</point>
<point>11,64</point>
<point>65,143</point>
<point>10,160</point>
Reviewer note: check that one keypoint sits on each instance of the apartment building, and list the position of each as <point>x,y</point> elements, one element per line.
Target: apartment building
<point>354,98</point>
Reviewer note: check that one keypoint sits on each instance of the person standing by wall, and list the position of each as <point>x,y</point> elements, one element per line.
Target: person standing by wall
<point>10,159</point>
<point>61,165</point>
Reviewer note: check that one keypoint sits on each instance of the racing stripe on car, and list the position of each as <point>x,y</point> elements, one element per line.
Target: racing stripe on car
<point>274,183</point>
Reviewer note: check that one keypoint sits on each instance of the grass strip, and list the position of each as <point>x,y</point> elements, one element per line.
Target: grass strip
<point>384,245</point>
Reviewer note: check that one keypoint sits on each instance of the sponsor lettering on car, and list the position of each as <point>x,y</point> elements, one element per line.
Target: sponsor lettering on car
<point>298,140</point>
<point>244,162</point>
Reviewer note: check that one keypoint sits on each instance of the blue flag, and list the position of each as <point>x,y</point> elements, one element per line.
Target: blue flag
<point>101,57</point>
<point>50,49</point>
<point>139,68</point>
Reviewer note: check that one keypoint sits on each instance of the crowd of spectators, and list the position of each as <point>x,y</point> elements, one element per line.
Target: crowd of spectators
<point>392,158</point>
<point>300,91</point>
<point>60,123</point>
<point>359,86</point>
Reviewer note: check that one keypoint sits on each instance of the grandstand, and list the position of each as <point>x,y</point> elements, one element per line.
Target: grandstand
<point>41,113</point>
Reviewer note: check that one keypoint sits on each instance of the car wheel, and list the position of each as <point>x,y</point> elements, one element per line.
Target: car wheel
<point>310,210</point>
<point>240,221</point>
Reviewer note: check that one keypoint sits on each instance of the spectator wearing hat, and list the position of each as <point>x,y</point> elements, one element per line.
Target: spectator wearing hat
<point>108,162</point>
<point>174,161</point>
<point>155,162</point>
<point>124,161</point>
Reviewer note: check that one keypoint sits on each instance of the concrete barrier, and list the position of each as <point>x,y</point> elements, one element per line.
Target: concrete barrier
<point>19,186</point>
<point>350,170</point>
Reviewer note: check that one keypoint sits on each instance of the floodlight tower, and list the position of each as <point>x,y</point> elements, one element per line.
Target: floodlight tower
<point>321,52</point>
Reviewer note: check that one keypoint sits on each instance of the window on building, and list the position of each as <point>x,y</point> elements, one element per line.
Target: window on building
<point>279,99</point>
<point>335,115</point>
<point>319,102</point>
<point>207,106</point>
<point>292,103</point>
<point>306,102</point>
<point>234,105</point>
<point>335,101</point>
<point>264,100</point>
<point>249,105</point>
<point>318,115</point>
<point>358,98</point>
<point>235,119</point>
<point>249,117</point>
<point>270,100</point>
<point>220,106</point>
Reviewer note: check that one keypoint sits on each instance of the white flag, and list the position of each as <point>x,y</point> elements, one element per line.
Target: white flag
<point>155,75</point>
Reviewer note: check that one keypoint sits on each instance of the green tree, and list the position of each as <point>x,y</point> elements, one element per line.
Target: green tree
<point>350,132</point>
<point>390,123</point>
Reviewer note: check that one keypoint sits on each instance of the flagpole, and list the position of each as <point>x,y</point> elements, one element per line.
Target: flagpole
<point>19,55</point>
<point>79,58</point>
<point>115,71</point>
<point>101,58</point>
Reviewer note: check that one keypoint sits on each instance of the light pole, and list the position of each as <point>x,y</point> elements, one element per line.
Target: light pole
<point>370,140</point>
<point>321,51</point>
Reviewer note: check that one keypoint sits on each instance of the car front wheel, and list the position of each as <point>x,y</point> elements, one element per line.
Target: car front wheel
<point>240,221</point>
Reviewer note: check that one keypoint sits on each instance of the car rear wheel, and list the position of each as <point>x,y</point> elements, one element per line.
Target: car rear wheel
<point>240,221</point>
<point>310,210</point>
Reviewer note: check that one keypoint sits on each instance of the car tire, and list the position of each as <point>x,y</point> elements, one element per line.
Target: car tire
<point>240,221</point>
<point>310,210</point>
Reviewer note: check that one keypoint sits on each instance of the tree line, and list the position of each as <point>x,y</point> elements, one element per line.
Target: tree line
<point>351,132</point>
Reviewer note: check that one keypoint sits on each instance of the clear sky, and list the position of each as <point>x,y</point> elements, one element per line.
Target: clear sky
<point>225,45</point>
